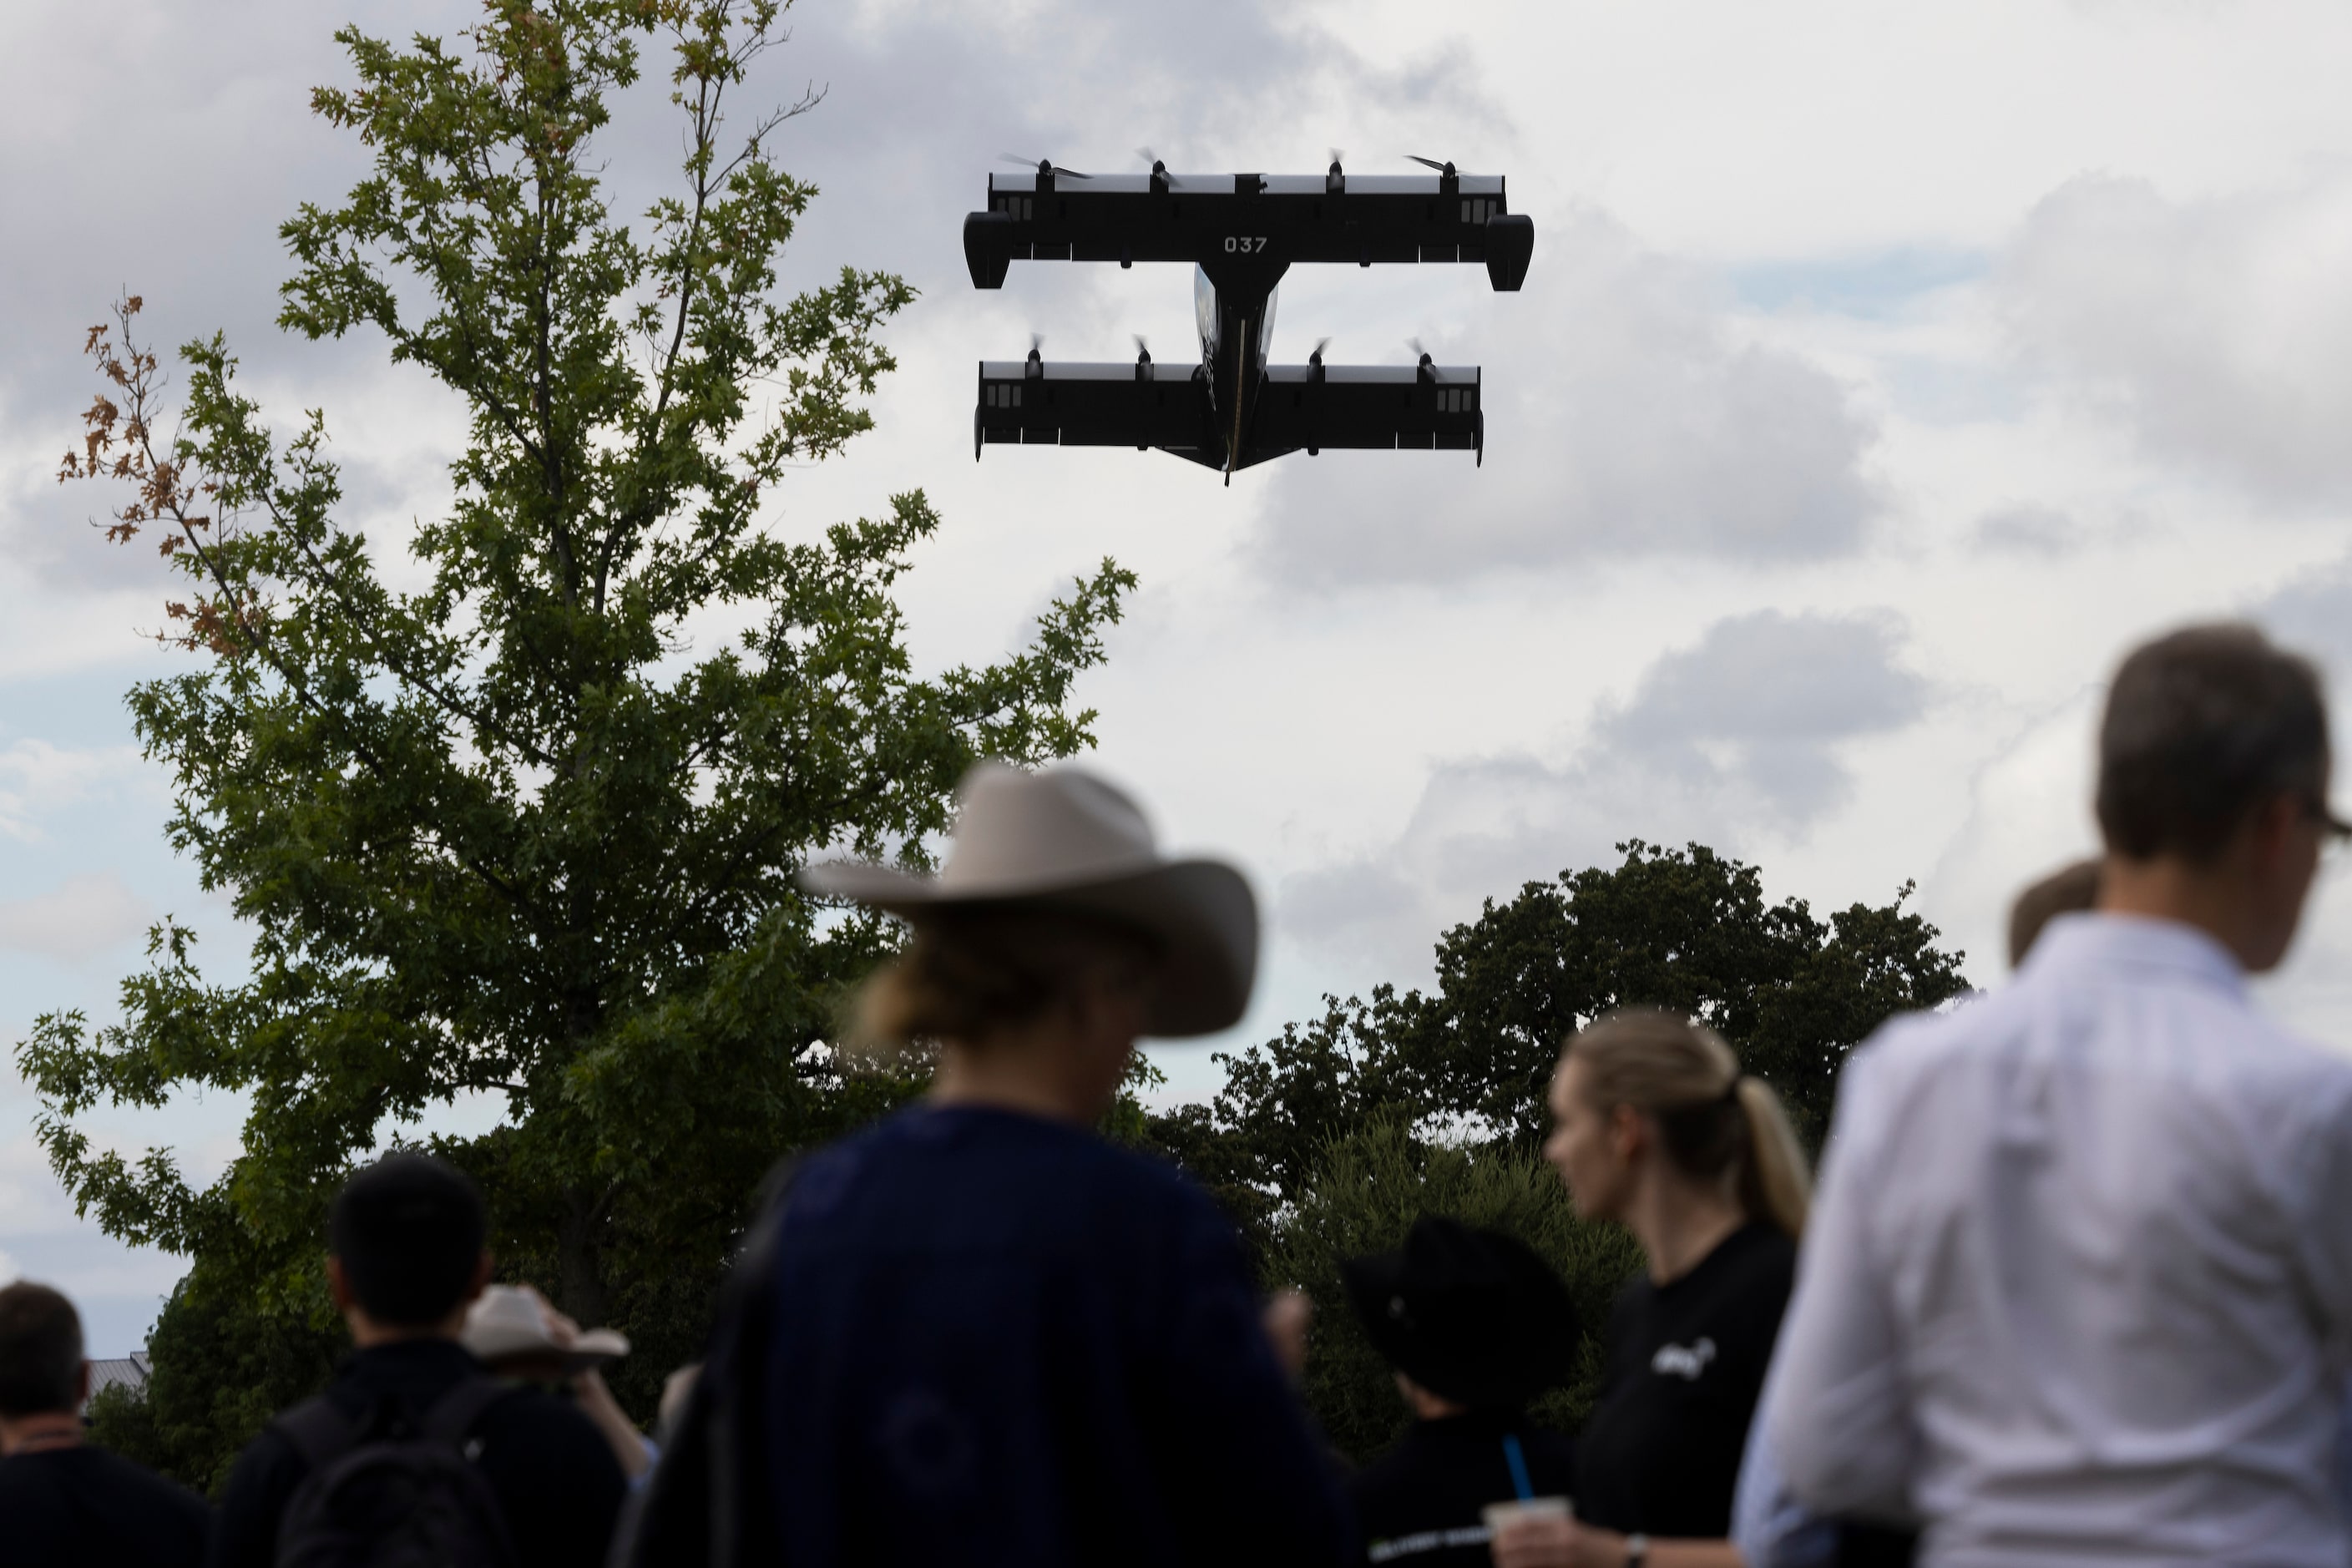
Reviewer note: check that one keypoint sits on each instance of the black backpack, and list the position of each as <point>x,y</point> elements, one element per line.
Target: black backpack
<point>391,1494</point>
<point>704,1502</point>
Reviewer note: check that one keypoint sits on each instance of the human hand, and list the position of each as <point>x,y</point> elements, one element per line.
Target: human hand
<point>562,1329</point>
<point>1529,1542</point>
<point>1286,1319</point>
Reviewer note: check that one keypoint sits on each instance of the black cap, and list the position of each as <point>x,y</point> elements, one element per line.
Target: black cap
<point>1473,1316</point>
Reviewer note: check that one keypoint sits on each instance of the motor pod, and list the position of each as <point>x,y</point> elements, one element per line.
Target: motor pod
<point>1511,245</point>
<point>988,249</point>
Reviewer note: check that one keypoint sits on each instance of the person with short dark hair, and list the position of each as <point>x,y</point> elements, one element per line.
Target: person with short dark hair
<point>2078,1286</point>
<point>1474,1324</point>
<point>64,1504</point>
<point>407,1260</point>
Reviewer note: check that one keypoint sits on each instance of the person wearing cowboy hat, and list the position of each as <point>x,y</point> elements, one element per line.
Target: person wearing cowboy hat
<point>1474,1324</point>
<point>990,1334</point>
<point>516,1334</point>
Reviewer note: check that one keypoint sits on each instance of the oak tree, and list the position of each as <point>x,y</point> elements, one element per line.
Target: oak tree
<point>510,802</point>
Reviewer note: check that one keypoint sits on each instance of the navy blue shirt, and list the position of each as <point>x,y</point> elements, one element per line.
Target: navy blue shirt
<point>1001,1340</point>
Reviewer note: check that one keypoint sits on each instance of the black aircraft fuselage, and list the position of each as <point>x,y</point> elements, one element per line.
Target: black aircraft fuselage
<point>1242,232</point>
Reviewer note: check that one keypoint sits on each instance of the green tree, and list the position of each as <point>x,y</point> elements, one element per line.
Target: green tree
<point>217,1373</point>
<point>1368,1186</point>
<point>1684,928</point>
<point>1329,1140</point>
<point>501,821</point>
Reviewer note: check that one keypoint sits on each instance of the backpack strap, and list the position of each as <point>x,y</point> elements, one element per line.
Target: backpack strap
<point>319,1433</point>
<point>451,1419</point>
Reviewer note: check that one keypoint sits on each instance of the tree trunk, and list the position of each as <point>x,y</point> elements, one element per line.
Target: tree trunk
<point>580,1291</point>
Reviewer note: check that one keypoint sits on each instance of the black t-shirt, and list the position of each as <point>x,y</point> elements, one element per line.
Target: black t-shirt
<point>549,1467</point>
<point>85,1508</point>
<point>1419,1506</point>
<point>1686,1362</point>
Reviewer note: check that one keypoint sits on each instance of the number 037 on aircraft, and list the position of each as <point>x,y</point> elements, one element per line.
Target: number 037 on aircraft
<point>1242,233</point>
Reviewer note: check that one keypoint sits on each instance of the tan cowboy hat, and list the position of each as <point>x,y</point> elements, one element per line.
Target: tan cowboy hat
<point>1062,839</point>
<point>506,1322</point>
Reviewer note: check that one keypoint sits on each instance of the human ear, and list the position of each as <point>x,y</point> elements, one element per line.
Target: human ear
<point>1627,1132</point>
<point>2272,833</point>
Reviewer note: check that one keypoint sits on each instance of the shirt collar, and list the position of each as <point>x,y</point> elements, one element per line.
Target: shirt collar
<point>2094,942</point>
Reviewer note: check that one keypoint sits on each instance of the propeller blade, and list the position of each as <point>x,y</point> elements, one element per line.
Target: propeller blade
<point>1044,167</point>
<point>1432,164</point>
<point>1159,168</point>
<point>1314,356</point>
<point>1338,157</point>
<point>1142,346</point>
<point>1418,352</point>
<point>1036,344</point>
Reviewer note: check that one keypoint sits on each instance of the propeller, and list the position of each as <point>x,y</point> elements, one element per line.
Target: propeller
<point>1432,164</point>
<point>1159,168</point>
<point>1334,179</point>
<point>1036,344</point>
<point>1044,167</point>
<point>1143,348</point>
<point>1338,157</point>
<point>1316,355</point>
<point>1419,352</point>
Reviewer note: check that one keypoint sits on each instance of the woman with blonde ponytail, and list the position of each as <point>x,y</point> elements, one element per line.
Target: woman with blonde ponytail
<point>1654,1125</point>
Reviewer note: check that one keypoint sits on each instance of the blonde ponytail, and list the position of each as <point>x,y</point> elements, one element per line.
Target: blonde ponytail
<point>1773,1182</point>
<point>1713,1119</point>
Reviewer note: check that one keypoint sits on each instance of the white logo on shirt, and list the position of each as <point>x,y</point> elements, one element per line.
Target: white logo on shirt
<point>1683,1360</point>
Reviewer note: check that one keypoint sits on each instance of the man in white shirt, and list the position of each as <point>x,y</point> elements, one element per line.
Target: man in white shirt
<point>2078,1281</point>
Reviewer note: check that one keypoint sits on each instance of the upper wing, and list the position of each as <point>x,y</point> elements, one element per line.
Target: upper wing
<point>1279,218</point>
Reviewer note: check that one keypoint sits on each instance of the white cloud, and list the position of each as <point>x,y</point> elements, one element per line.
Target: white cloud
<point>2218,330</point>
<point>1624,416</point>
<point>82,916</point>
<point>38,777</point>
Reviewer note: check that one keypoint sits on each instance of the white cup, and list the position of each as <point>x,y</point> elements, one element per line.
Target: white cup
<point>1498,1514</point>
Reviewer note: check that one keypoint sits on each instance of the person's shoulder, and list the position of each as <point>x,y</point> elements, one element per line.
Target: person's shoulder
<point>525,1413</point>
<point>1762,1252</point>
<point>130,1476</point>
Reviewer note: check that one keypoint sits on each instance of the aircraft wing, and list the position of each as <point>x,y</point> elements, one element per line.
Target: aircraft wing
<point>1294,408</point>
<point>1274,218</point>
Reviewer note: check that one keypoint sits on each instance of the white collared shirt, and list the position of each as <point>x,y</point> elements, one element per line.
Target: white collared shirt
<point>2078,1283</point>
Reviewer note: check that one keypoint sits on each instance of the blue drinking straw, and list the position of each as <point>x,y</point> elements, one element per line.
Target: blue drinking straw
<point>1518,1462</point>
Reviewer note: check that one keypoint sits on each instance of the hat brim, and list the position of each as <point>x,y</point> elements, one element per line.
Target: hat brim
<point>1202,914</point>
<point>1523,1352</point>
<point>593,1348</point>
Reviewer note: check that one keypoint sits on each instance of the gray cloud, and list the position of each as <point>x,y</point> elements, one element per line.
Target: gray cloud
<point>2311,613</point>
<point>1623,418</point>
<point>2218,331</point>
<point>1739,735</point>
<point>2028,529</point>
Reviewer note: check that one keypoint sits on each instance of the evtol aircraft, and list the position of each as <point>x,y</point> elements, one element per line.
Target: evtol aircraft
<point>1242,233</point>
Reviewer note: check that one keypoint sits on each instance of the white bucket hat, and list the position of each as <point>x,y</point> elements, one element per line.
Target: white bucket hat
<point>506,1321</point>
<point>1062,839</point>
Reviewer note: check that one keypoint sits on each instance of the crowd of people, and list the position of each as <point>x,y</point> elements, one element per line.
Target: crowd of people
<point>2075,1285</point>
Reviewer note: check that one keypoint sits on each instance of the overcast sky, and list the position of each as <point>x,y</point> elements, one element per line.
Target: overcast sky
<point>1883,372</point>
